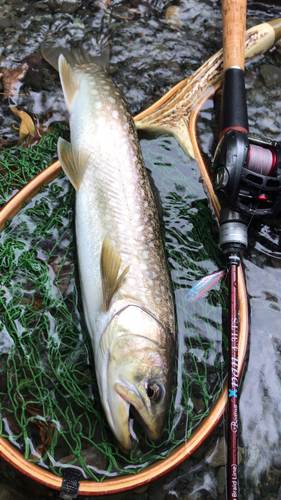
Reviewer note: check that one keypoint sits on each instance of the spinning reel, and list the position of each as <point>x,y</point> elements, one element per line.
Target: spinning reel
<point>246,175</point>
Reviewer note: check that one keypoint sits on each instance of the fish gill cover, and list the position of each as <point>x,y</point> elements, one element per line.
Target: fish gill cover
<point>49,402</point>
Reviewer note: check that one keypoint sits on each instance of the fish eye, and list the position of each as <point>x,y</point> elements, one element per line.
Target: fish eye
<point>154,392</point>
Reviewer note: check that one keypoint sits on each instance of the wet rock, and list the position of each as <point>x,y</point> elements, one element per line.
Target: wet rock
<point>141,490</point>
<point>276,262</point>
<point>63,272</point>
<point>3,383</point>
<point>221,480</point>
<point>271,75</point>
<point>195,493</point>
<point>34,75</point>
<point>5,11</point>
<point>277,461</point>
<point>216,456</point>
<point>264,489</point>
<point>172,495</point>
<point>8,493</point>
<point>199,453</point>
<point>199,404</point>
<point>22,40</point>
<point>92,456</point>
<point>64,6</point>
<point>42,6</point>
<point>173,17</point>
<point>156,491</point>
<point>5,23</point>
<point>5,20</point>
<point>20,487</point>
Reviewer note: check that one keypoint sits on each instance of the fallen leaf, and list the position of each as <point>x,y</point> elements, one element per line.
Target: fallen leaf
<point>103,4</point>
<point>27,126</point>
<point>12,79</point>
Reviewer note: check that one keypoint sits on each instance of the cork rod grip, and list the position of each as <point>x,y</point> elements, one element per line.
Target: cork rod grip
<point>234,27</point>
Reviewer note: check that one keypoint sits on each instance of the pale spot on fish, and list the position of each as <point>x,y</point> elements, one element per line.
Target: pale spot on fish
<point>115,114</point>
<point>101,121</point>
<point>94,91</point>
<point>111,99</point>
<point>131,281</point>
<point>98,105</point>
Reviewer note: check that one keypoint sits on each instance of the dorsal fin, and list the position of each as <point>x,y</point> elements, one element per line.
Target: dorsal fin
<point>69,82</point>
<point>73,161</point>
<point>110,263</point>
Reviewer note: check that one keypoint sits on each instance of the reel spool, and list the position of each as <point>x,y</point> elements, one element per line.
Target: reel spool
<point>246,174</point>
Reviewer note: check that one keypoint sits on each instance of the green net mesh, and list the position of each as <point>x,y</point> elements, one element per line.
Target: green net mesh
<point>49,401</point>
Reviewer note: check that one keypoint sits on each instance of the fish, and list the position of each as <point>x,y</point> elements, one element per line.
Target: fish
<point>125,283</point>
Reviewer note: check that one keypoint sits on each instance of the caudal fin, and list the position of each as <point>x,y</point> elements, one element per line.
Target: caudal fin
<point>75,56</point>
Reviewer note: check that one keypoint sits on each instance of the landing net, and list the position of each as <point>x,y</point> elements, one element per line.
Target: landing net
<point>49,402</point>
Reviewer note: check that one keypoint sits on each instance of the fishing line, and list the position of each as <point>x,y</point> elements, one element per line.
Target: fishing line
<point>252,215</point>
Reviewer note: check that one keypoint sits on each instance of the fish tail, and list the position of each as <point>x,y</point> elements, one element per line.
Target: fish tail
<point>75,56</point>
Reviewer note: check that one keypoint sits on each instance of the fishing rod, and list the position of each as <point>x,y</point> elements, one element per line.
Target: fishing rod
<point>246,176</point>
<point>233,227</point>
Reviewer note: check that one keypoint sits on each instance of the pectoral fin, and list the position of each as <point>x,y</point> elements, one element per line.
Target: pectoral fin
<point>69,82</point>
<point>110,265</point>
<point>73,161</point>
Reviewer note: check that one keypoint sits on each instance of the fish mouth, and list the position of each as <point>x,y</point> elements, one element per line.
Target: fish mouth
<point>131,396</point>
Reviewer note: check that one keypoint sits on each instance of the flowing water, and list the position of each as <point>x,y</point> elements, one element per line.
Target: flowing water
<point>151,49</point>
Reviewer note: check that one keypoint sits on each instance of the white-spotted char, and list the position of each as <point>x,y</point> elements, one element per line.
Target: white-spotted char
<point>126,291</point>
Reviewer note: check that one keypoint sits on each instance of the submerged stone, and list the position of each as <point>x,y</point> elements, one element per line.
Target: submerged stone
<point>271,75</point>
